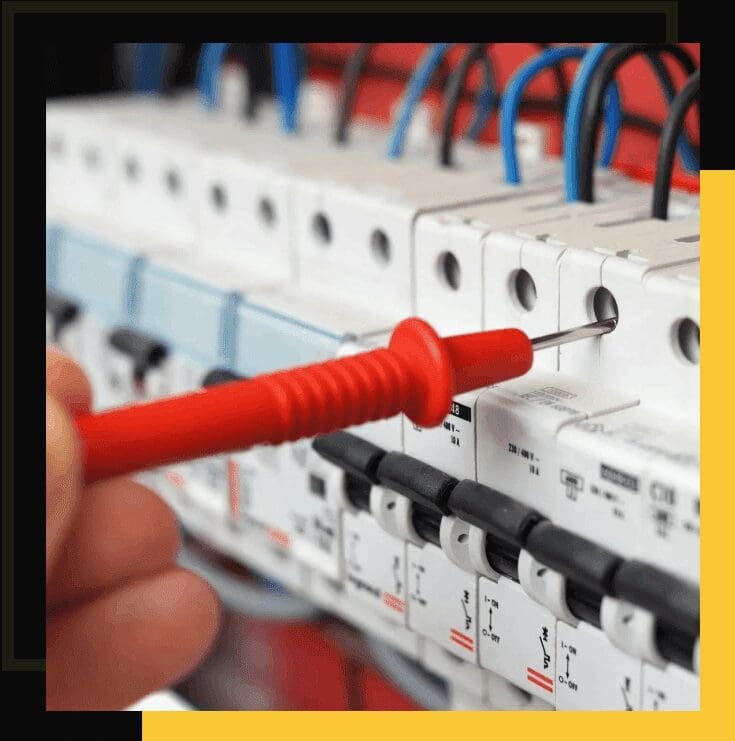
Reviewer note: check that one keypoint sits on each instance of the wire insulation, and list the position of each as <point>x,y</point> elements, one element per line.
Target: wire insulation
<point>667,148</point>
<point>512,98</point>
<point>287,78</point>
<point>600,79</point>
<point>415,90</point>
<point>573,117</point>
<point>485,99</point>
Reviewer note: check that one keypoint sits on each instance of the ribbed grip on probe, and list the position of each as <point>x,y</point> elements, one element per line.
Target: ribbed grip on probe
<point>418,374</point>
<point>338,393</point>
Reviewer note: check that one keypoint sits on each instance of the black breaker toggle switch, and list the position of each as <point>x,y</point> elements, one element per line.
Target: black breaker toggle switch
<point>358,458</point>
<point>218,376</point>
<point>427,487</point>
<point>145,351</point>
<point>505,521</point>
<point>589,568</point>
<point>673,601</point>
<point>63,311</point>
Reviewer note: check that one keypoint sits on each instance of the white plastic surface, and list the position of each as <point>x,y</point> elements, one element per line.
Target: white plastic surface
<point>517,637</point>
<point>442,601</point>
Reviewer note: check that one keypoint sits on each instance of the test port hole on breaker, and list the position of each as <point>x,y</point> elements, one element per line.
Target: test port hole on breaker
<point>218,194</point>
<point>380,247</point>
<point>173,182</point>
<point>132,169</point>
<point>523,289</point>
<point>603,305</point>
<point>267,212</point>
<point>322,229</point>
<point>449,271</point>
<point>686,340</point>
<point>91,156</point>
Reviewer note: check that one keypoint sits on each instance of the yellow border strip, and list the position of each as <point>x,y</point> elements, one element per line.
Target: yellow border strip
<point>716,720</point>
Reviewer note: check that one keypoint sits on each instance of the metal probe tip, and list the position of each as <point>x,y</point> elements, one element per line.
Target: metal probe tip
<point>595,329</point>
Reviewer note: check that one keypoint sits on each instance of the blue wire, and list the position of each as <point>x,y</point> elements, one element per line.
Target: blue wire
<point>287,78</point>
<point>573,118</point>
<point>575,110</point>
<point>415,88</point>
<point>485,101</point>
<point>286,75</point>
<point>512,101</point>
<point>211,58</point>
<point>414,92</point>
<point>148,70</point>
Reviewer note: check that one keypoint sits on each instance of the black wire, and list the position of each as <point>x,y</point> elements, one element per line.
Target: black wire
<point>593,106</point>
<point>455,86</point>
<point>531,103</point>
<point>352,71</point>
<point>667,148</point>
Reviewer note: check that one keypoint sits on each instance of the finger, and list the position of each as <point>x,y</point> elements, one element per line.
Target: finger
<point>63,477</point>
<point>67,382</point>
<point>122,532</point>
<point>117,648</point>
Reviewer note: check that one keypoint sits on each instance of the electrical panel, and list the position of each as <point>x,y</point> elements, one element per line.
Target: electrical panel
<point>516,548</point>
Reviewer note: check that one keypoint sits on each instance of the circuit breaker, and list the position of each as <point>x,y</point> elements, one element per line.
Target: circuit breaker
<point>539,548</point>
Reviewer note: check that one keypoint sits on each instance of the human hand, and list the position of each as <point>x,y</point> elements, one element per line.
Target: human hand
<point>121,619</point>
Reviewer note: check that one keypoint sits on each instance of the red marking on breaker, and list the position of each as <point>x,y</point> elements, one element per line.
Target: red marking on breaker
<point>393,602</point>
<point>233,471</point>
<point>279,537</point>
<point>461,639</point>
<point>175,478</point>
<point>541,680</point>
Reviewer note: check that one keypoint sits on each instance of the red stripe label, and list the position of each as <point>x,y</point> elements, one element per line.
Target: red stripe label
<point>461,639</point>
<point>234,482</point>
<point>175,478</point>
<point>278,536</point>
<point>393,602</point>
<point>540,680</point>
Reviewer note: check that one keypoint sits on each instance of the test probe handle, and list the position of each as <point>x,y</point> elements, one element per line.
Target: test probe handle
<point>417,374</point>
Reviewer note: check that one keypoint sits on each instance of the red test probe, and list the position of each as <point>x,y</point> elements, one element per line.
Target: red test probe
<point>417,374</point>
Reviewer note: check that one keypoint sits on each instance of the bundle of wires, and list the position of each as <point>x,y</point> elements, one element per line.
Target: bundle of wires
<point>512,101</point>
<point>585,103</point>
<point>415,89</point>
<point>670,135</point>
<point>286,76</point>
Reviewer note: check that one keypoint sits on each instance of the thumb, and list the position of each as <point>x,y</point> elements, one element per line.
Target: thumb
<point>63,477</point>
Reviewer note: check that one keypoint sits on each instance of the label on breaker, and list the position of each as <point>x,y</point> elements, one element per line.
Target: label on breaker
<point>672,688</point>
<point>257,492</point>
<point>599,484</point>
<point>517,425</point>
<point>517,637</point>
<point>375,566</point>
<point>196,485</point>
<point>442,601</point>
<point>451,445</point>
<point>671,520</point>
<point>208,485</point>
<point>314,521</point>
<point>591,674</point>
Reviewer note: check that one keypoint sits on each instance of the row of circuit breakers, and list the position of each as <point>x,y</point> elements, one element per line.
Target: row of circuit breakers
<point>541,546</point>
